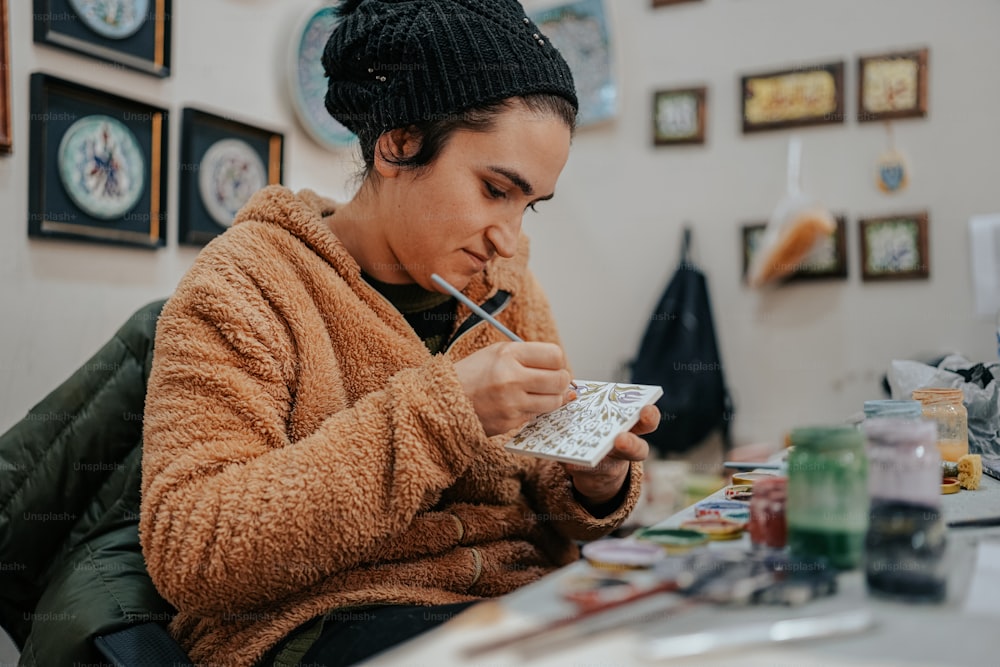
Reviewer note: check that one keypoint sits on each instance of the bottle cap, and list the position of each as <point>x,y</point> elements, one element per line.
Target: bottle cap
<point>894,408</point>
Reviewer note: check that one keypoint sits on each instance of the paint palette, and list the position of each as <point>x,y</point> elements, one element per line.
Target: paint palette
<point>583,431</point>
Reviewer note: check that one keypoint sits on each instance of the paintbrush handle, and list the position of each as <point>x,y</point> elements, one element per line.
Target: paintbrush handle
<point>749,465</point>
<point>665,587</point>
<point>474,308</point>
<point>975,523</point>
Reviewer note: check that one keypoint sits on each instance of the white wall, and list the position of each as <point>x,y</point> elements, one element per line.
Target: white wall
<point>605,247</point>
<point>807,353</point>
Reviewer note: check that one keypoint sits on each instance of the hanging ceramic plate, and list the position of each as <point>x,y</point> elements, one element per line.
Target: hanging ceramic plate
<point>101,166</point>
<point>892,172</point>
<point>112,19</point>
<point>229,173</point>
<point>308,80</point>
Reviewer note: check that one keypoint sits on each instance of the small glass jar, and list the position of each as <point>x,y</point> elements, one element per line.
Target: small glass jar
<point>767,526</point>
<point>905,542</point>
<point>827,509</point>
<point>893,408</point>
<point>945,407</point>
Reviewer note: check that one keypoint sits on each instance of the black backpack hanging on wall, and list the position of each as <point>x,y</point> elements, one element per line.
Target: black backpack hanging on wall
<point>679,352</point>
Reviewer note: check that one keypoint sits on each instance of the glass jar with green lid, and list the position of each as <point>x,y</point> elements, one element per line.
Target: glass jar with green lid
<point>946,407</point>
<point>827,510</point>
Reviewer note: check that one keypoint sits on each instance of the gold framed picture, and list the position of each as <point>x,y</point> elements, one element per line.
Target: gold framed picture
<point>892,85</point>
<point>679,116</point>
<point>895,247</point>
<point>812,95</point>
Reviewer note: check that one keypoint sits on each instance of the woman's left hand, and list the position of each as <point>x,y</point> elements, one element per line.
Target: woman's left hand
<point>600,484</point>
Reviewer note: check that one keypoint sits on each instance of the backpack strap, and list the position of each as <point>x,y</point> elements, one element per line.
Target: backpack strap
<point>686,246</point>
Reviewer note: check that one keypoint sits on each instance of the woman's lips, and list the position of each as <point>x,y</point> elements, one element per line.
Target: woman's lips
<point>478,261</point>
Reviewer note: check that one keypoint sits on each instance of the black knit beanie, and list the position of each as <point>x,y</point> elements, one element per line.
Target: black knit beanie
<point>392,63</point>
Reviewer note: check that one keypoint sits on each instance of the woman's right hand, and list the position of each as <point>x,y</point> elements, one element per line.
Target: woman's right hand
<point>512,383</point>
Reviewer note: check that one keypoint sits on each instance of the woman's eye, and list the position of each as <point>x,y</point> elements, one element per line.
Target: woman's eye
<point>532,207</point>
<point>494,191</point>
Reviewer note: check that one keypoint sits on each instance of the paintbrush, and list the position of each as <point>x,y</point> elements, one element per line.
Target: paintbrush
<point>448,287</point>
<point>476,309</point>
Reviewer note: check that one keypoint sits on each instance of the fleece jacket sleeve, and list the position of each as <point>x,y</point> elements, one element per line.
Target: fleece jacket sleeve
<point>235,514</point>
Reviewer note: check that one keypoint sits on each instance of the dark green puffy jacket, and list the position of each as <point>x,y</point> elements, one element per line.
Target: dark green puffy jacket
<point>70,563</point>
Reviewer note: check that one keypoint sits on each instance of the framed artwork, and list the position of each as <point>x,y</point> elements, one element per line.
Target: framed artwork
<point>97,165</point>
<point>895,247</point>
<point>826,261</point>
<point>892,85</point>
<point>792,98</point>
<point>127,33</point>
<point>223,163</point>
<point>580,31</point>
<point>6,124</point>
<point>307,80</point>
<point>679,116</point>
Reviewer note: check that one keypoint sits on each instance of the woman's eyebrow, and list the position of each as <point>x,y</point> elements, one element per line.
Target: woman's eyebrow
<point>515,178</point>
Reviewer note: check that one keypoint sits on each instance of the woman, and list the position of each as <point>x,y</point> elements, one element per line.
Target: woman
<point>324,430</point>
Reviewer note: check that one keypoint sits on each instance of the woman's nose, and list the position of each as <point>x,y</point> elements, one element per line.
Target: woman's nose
<point>504,236</point>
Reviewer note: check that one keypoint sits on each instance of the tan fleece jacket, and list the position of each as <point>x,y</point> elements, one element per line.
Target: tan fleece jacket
<point>303,451</point>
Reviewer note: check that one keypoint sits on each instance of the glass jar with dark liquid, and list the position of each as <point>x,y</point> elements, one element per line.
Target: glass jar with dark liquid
<point>905,542</point>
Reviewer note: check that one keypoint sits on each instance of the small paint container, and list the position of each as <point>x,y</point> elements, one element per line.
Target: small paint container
<point>734,510</point>
<point>950,485</point>
<point>743,492</point>
<point>752,476</point>
<point>716,529</point>
<point>673,540</point>
<point>768,526</point>
<point>622,554</point>
<point>589,591</point>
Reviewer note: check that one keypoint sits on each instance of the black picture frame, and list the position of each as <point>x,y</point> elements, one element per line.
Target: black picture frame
<point>147,49</point>
<point>834,268</point>
<point>58,109</point>
<point>201,131</point>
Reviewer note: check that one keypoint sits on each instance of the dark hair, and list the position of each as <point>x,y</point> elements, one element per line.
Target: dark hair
<point>434,134</point>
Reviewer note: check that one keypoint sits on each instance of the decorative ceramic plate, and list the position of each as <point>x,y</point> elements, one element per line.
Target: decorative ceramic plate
<point>229,173</point>
<point>113,19</point>
<point>308,80</point>
<point>101,165</point>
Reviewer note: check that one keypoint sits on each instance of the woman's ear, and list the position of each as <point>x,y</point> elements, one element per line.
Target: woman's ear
<point>393,146</point>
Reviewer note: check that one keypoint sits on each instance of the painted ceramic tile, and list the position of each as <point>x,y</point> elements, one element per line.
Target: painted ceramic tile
<point>584,430</point>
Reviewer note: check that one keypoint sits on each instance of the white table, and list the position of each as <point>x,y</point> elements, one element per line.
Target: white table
<point>904,634</point>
